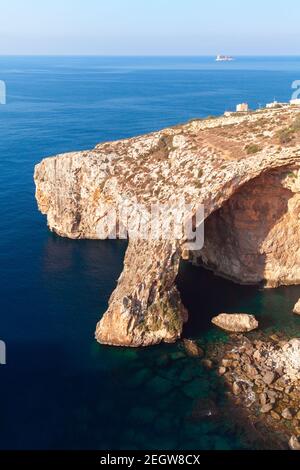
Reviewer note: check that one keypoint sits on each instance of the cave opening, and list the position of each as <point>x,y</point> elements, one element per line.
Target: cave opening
<point>206,295</point>
<point>251,242</point>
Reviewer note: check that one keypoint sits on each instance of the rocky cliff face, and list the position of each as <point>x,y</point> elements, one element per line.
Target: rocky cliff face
<point>238,167</point>
<point>255,236</point>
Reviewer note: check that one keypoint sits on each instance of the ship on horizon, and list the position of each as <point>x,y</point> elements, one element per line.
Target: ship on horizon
<point>224,58</point>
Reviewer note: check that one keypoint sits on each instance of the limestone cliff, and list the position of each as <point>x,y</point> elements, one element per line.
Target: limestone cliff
<point>245,169</point>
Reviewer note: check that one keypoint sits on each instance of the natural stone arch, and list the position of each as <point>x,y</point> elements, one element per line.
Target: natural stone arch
<point>188,161</point>
<point>146,307</point>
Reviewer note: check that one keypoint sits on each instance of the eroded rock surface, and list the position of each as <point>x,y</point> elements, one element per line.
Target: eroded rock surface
<point>248,181</point>
<point>255,236</point>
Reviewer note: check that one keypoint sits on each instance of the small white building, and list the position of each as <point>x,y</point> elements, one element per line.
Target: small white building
<point>275,104</point>
<point>242,108</point>
<point>295,102</point>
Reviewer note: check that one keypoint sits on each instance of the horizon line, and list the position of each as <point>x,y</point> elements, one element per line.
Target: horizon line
<point>141,55</point>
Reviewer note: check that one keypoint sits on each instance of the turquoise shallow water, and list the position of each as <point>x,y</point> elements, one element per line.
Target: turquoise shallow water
<point>60,389</point>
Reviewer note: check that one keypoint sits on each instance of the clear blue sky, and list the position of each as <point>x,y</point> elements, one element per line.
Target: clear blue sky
<point>155,27</point>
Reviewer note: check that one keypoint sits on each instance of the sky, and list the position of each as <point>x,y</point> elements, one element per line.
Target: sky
<point>150,27</point>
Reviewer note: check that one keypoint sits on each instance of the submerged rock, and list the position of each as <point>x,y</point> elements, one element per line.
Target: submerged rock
<point>194,388</point>
<point>236,322</point>
<point>160,386</point>
<point>204,408</point>
<point>192,348</point>
<point>207,364</point>
<point>176,356</point>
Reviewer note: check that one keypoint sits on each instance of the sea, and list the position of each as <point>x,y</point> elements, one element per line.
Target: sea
<point>60,389</point>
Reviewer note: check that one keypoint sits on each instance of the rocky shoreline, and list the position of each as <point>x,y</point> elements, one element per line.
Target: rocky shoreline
<point>262,376</point>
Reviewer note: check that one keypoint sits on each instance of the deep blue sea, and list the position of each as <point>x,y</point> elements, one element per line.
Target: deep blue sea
<point>60,389</point>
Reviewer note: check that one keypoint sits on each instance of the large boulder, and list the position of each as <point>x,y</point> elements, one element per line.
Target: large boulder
<point>297,308</point>
<point>236,322</point>
<point>290,358</point>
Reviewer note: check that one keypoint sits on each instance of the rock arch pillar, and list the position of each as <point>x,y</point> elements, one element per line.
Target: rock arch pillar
<point>145,308</point>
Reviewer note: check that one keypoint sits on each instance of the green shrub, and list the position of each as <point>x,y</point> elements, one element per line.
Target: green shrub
<point>252,148</point>
<point>296,123</point>
<point>286,135</point>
